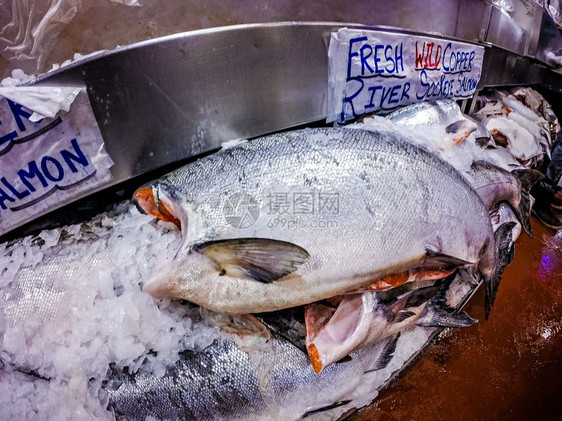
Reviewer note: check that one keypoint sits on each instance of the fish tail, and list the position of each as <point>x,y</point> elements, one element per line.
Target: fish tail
<point>503,254</point>
<point>438,313</point>
<point>528,179</point>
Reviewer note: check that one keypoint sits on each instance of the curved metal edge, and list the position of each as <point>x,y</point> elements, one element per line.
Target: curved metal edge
<point>44,79</point>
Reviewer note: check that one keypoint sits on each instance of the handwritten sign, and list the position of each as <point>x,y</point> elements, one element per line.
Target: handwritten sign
<point>47,163</point>
<point>381,71</point>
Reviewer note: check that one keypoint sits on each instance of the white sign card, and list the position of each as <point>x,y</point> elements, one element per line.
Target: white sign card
<point>373,71</point>
<point>49,162</point>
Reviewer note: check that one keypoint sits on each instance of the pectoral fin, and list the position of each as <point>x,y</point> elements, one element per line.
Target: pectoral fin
<point>386,355</point>
<point>444,317</point>
<point>261,259</point>
<point>401,316</point>
<point>437,259</point>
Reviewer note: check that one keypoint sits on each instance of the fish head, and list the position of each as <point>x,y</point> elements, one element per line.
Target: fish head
<point>213,273</point>
<point>186,270</point>
<point>332,334</point>
<point>163,202</point>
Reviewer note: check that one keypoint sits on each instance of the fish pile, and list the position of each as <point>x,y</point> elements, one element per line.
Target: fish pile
<point>286,277</point>
<point>520,121</point>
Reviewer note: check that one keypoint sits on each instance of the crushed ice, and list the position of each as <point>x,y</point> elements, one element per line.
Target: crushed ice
<point>71,306</point>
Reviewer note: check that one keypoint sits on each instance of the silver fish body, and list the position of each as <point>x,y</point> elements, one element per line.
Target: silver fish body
<point>536,102</point>
<point>432,113</point>
<point>397,205</point>
<point>225,382</point>
<point>519,128</point>
<point>494,185</point>
<point>446,114</point>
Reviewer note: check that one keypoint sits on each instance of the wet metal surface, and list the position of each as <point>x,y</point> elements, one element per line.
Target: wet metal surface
<point>506,368</point>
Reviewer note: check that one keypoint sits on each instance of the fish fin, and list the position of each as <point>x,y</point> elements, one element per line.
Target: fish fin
<point>326,408</point>
<point>454,127</point>
<point>401,316</point>
<point>282,323</point>
<point>528,179</point>
<point>245,330</point>
<point>435,316</point>
<point>420,296</point>
<point>502,236</point>
<point>238,324</point>
<point>261,259</point>
<point>413,298</point>
<point>438,313</point>
<point>345,359</point>
<point>386,355</point>
<point>435,258</point>
<point>417,295</point>
<point>469,275</point>
<point>391,295</point>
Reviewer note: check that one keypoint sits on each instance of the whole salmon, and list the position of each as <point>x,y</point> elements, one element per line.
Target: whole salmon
<point>297,217</point>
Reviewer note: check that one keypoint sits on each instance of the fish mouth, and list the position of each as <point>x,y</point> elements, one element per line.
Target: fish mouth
<point>157,201</point>
<point>334,332</point>
<point>500,138</point>
<point>154,201</point>
<point>341,324</point>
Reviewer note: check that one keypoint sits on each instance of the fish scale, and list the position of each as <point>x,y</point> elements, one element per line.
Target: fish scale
<point>222,382</point>
<point>396,200</point>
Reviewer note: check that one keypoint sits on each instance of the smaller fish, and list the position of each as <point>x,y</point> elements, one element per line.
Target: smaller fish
<point>536,102</point>
<point>531,99</point>
<point>515,106</point>
<point>528,110</point>
<point>444,114</point>
<point>430,113</point>
<point>537,128</point>
<point>364,318</point>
